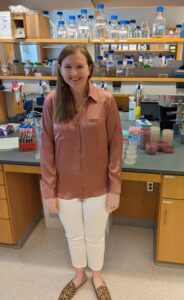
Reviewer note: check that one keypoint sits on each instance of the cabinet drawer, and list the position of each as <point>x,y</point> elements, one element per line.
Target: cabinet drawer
<point>1,178</point>
<point>1,167</point>
<point>5,232</point>
<point>2,192</point>
<point>4,214</point>
<point>173,187</point>
<point>133,176</point>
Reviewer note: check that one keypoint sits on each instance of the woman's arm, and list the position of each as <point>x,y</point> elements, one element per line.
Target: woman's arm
<point>47,151</point>
<point>114,133</point>
<point>114,136</point>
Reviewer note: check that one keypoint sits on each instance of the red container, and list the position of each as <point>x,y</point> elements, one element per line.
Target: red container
<point>161,146</point>
<point>151,148</point>
<point>145,136</point>
<point>168,149</point>
<point>28,146</point>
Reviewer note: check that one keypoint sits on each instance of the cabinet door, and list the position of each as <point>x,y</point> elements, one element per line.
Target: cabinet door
<point>173,187</point>
<point>170,240</point>
<point>137,202</point>
<point>1,178</point>
<point>2,192</point>
<point>6,232</point>
<point>4,214</point>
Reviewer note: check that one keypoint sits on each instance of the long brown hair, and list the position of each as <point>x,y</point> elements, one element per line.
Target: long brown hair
<point>65,107</point>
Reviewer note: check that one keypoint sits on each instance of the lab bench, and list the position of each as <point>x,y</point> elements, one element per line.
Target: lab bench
<point>162,208</point>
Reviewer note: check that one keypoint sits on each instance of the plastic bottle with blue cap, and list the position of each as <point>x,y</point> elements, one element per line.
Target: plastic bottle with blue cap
<point>159,22</point>
<point>132,107</point>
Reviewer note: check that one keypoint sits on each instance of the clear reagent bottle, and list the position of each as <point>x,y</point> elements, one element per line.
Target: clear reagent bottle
<point>159,22</point>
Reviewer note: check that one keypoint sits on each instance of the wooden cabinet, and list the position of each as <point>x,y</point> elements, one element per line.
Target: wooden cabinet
<point>20,202</point>
<point>136,202</point>
<point>170,236</point>
<point>173,187</point>
<point>6,235</point>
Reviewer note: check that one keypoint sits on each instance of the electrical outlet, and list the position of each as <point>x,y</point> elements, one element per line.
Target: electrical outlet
<point>149,186</point>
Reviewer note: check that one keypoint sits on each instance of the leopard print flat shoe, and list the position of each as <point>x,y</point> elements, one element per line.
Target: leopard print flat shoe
<point>102,292</point>
<point>69,290</point>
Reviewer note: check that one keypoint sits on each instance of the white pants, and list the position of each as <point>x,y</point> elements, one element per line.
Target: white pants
<point>85,222</point>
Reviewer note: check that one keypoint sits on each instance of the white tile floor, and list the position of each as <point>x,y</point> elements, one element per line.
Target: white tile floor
<point>42,267</point>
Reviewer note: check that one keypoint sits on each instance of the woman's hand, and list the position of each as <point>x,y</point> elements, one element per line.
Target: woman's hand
<point>112,202</point>
<point>52,205</point>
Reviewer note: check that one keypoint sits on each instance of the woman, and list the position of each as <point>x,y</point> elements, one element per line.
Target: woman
<point>81,154</point>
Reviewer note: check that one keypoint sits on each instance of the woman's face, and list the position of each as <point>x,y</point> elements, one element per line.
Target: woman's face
<point>75,71</point>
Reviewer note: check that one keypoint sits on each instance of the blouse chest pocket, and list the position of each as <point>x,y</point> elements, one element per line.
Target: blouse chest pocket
<point>95,126</point>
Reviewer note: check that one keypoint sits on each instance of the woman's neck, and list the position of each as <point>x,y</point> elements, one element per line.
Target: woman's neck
<point>80,96</point>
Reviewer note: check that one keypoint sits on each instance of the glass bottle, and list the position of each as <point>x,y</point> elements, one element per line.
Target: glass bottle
<point>114,28</point>
<point>91,26</point>
<point>61,30</point>
<point>132,29</point>
<point>83,25</point>
<point>119,68</point>
<point>59,18</point>
<point>15,69</point>
<point>182,31</point>
<point>123,30</point>
<point>46,14</point>
<point>178,30</point>
<point>99,66</point>
<point>145,31</point>
<point>72,29</point>
<point>100,23</point>
<point>110,64</point>
<point>159,22</point>
<point>28,68</point>
<point>138,32</point>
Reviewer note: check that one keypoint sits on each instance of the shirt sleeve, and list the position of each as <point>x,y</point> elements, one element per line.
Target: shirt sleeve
<point>114,135</point>
<point>47,152</point>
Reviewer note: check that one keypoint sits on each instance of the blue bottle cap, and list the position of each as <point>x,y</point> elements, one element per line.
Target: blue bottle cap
<point>114,17</point>
<point>83,11</point>
<point>71,17</point>
<point>119,62</point>
<point>101,6</point>
<point>60,22</point>
<point>132,21</point>
<point>122,22</point>
<point>160,8</point>
<point>99,57</point>
<point>45,12</point>
<point>59,13</point>
<point>90,17</point>
<point>138,27</point>
<point>111,51</point>
<point>178,26</point>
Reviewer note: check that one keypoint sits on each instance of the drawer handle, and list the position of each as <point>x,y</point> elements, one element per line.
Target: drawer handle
<point>169,176</point>
<point>167,201</point>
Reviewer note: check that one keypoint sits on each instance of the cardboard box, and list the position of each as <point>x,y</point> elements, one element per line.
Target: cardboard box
<point>14,103</point>
<point>18,25</point>
<point>37,26</point>
<point>3,108</point>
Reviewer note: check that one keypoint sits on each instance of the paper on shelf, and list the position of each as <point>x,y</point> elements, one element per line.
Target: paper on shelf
<point>9,143</point>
